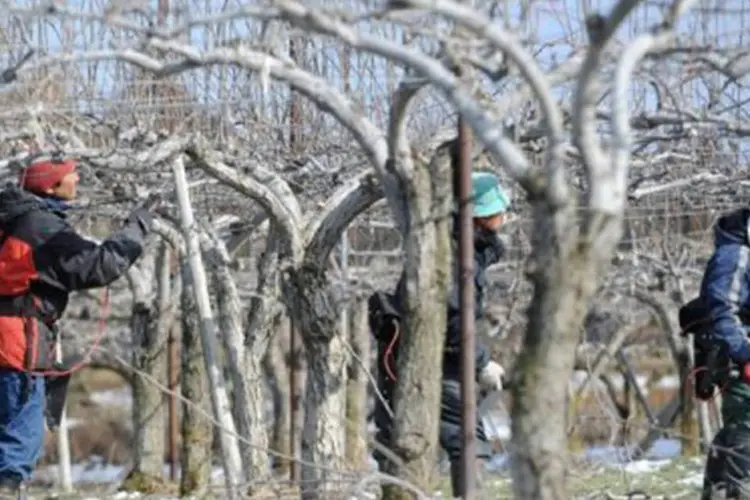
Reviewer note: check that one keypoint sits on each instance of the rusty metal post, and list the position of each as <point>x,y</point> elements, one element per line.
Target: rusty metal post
<point>162,12</point>
<point>295,121</point>
<point>173,381</point>
<point>467,304</point>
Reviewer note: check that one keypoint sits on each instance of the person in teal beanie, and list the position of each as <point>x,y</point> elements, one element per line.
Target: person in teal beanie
<point>490,210</point>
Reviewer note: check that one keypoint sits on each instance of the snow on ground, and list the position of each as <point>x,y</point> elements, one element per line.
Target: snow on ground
<point>97,471</point>
<point>494,414</point>
<point>118,398</point>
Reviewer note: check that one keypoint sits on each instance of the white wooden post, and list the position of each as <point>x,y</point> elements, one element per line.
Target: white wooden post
<point>230,450</point>
<point>63,443</point>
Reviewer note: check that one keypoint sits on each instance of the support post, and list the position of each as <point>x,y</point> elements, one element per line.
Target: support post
<point>230,450</point>
<point>467,304</point>
<point>63,442</point>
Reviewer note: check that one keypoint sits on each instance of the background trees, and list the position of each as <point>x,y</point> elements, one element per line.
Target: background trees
<point>314,140</point>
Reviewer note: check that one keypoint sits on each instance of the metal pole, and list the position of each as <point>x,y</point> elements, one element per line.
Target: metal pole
<point>295,120</point>
<point>173,364</point>
<point>466,291</point>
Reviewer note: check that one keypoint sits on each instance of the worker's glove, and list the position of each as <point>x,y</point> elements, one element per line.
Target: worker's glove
<point>491,377</point>
<point>144,212</point>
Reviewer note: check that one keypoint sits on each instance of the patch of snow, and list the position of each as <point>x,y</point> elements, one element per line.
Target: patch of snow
<point>496,428</point>
<point>123,495</point>
<point>660,450</point>
<point>119,398</point>
<point>695,480</point>
<point>668,382</point>
<point>87,472</point>
<point>645,466</point>
<point>497,463</point>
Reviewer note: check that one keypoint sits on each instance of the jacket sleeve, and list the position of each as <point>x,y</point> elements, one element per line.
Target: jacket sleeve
<point>725,290</point>
<point>78,264</point>
<point>453,334</point>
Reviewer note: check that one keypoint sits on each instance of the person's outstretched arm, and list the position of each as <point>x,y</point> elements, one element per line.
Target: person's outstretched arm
<point>76,263</point>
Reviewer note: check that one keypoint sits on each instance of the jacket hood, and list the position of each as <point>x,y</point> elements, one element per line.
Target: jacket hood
<point>733,228</point>
<point>15,202</point>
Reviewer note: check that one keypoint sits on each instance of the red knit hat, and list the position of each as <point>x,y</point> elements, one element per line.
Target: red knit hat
<point>46,174</point>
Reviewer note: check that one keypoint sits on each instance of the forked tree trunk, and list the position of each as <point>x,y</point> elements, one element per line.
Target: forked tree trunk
<point>325,387</point>
<point>356,390</point>
<point>195,455</point>
<point>416,399</point>
<point>565,270</point>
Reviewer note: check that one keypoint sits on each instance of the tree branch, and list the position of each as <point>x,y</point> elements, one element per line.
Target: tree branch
<point>489,132</point>
<point>533,75</point>
<point>346,204</point>
<point>611,196</point>
<point>265,187</point>
<point>585,100</point>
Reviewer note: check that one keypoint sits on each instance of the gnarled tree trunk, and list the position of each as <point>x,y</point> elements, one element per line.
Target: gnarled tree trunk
<point>244,371</point>
<point>325,388</point>
<point>566,269</point>
<point>149,359</point>
<point>195,455</point>
<point>416,399</point>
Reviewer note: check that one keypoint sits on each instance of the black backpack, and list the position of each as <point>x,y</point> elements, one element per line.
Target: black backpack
<point>712,363</point>
<point>382,311</point>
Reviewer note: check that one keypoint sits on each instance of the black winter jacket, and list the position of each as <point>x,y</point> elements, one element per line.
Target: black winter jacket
<point>488,250</point>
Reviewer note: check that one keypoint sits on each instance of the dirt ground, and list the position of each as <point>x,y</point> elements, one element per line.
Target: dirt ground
<point>96,429</point>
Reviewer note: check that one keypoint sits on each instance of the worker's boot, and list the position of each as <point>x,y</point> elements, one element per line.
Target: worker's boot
<point>457,485</point>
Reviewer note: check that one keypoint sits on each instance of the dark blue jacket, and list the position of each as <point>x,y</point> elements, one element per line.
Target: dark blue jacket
<point>726,283</point>
<point>488,250</point>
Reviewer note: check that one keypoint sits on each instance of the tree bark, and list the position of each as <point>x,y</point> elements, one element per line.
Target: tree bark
<point>356,389</point>
<point>277,374</point>
<point>245,373</point>
<point>565,268</point>
<point>323,436</point>
<point>149,360</point>
<point>416,399</point>
<point>196,430</point>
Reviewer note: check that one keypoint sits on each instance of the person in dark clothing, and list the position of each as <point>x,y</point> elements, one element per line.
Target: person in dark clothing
<point>725,292</point>
<point>42,260</point>
<point>490,207</point>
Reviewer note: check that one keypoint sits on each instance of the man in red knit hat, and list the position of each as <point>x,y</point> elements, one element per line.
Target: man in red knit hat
<point>42,260</point>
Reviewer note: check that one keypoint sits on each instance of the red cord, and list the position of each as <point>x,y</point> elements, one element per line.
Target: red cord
<point>388,357</point>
